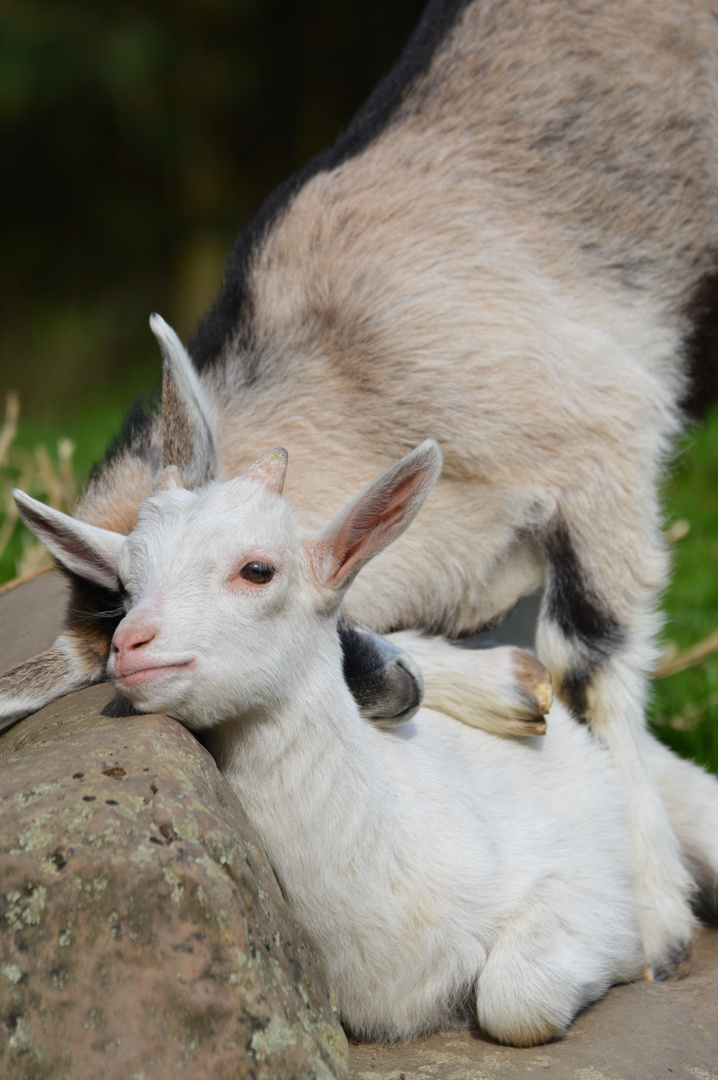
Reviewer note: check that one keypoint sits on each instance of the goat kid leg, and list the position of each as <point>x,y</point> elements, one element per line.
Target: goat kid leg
<point>504,691</point>
<point>542,968</point>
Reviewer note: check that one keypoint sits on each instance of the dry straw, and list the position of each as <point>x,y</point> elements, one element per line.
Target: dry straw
<point>37,473</point>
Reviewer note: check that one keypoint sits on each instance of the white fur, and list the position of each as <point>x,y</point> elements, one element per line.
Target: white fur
<point>420,860</point>
<point>435,866</point>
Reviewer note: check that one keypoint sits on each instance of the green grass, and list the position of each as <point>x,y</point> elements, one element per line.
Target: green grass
<point>685,706</point>
<point>684,709</point>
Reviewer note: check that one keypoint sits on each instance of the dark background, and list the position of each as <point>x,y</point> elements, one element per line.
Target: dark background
<point>138,138</point>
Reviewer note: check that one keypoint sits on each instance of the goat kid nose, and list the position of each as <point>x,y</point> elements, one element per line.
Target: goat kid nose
<point>134,635</point>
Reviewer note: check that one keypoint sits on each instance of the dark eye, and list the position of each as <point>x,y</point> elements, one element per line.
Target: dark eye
<point>259,573</point>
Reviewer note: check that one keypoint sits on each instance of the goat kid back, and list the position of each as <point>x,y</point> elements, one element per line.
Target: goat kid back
<point>434,866</point>
<point>512,248</point>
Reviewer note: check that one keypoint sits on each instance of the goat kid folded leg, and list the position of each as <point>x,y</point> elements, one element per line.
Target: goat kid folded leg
<point>596,632</point>
<point>570,942</point>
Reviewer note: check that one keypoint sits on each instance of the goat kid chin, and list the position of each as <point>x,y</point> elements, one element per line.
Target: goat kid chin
<point>443,874</point>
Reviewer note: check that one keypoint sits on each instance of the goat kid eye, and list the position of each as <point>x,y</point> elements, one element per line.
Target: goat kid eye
<point>259,573</point>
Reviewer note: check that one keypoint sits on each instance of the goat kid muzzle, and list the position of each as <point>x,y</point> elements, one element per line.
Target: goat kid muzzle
<point>133,660</point>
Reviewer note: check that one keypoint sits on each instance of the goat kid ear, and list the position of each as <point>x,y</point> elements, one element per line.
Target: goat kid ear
<point>375,517</point>
<point>270,470</point>
<point>83,549</point>
<point>188,431</point>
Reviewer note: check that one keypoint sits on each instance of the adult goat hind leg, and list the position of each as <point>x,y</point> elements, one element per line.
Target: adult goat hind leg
<point>596,631</point>
<point>386,683</point>
<point>691,798</point>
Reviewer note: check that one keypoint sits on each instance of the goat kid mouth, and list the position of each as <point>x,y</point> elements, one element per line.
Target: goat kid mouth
<point>150,672</point>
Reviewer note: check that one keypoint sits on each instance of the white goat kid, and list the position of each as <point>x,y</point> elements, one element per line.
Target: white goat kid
<point>435,866</point>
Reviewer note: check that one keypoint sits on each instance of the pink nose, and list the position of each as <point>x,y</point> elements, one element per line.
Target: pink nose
<point>132,636</point>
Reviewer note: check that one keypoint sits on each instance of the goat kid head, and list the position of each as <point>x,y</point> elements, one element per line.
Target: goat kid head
<point>226,597</point>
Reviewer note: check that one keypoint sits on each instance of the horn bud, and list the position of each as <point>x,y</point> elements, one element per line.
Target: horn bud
<point>169,479</point>
<point>271,470</point>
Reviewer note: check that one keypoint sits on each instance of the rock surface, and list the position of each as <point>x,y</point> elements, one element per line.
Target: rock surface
<point>643,1031</point>
<point>143,934</point>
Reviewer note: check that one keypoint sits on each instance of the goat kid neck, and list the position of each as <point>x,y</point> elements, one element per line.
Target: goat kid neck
<point>311,751</point>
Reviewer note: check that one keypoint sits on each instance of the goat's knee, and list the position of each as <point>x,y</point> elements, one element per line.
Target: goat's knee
<point>517,1004</point>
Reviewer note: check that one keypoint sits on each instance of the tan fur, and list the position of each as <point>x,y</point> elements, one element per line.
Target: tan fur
<point>114,497</point>
<point>176,428</point>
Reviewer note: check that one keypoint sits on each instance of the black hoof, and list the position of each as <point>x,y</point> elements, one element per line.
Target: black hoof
<point>386,682</point>
<point>677,967</point>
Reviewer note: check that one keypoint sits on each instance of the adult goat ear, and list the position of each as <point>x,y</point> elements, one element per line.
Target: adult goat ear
<point>188,430</point>
<point>169,479</point>
<point>83,549</point>
<point>376,517</point>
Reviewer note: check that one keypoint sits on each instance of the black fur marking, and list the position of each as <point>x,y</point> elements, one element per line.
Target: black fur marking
<point>231,314</point>
<point>574,686</point>
<point>362,651</point>
<point>701,346</point>
<point>119,707</point>
<point>134,434</point>
<point>91,601</point>
<point>572,603</point>
<point>383,689</point>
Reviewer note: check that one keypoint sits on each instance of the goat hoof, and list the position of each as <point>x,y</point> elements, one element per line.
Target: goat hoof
<point>534,682</point>
<point>399,692</point>
<point>528,727</point>
<point>676,967</point>
<point>386,682</point>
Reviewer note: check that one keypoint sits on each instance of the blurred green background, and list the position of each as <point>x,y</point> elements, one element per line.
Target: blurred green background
<point>138,139</point>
